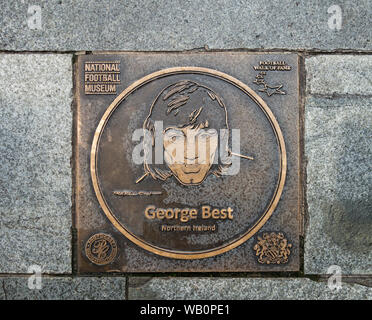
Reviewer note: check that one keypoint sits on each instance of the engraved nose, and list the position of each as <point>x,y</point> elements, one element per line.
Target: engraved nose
<point>190,149</point>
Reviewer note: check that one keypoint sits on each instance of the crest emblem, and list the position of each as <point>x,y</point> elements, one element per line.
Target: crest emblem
<point>101,249</point>
<point>272,248</point>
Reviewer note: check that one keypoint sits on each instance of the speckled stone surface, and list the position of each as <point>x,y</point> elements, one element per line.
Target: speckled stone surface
<point>338,149</point>
<point>179,25</point>
<point>339,75</point>
<point>35,172</point>
<point>63,288</point>
<point>241,289</point>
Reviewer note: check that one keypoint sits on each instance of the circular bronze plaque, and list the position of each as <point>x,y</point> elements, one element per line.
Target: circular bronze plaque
<point>191,206</point>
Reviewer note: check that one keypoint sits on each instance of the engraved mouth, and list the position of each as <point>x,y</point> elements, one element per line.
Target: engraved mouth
<point>191,168</point>
<point>191,159</point>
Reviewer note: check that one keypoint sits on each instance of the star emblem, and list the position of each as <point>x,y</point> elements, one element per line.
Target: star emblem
<point>270,90</point>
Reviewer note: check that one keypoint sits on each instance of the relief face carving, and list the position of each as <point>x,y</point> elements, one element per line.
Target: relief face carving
<point>195,165</point>
<point>193,115</point>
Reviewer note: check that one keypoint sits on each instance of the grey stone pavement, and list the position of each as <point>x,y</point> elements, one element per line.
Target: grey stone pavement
<point>36,84</point>
<point>70,25</point>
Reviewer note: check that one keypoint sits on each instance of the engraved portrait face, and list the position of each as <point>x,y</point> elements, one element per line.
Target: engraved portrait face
<point>189,152</point>
<point>191,115</point>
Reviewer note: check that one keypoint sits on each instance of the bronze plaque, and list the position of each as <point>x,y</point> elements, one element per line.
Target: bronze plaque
<point>187,162</point>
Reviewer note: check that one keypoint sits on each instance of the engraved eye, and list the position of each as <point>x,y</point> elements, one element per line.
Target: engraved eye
<point>212,132</point>
<point>203,135</point>
<point>173,135</point>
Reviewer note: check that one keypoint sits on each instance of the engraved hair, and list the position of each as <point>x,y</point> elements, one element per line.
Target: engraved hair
<point>176,96</point>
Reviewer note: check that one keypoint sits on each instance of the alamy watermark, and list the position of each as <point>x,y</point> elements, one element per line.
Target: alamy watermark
<point>335,280</point>
<point>34,17</point>
<point>335,20</point>
<point>187,151</point>
<point>35,281</point>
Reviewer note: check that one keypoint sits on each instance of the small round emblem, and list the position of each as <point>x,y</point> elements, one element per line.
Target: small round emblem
<point>101,249</point>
